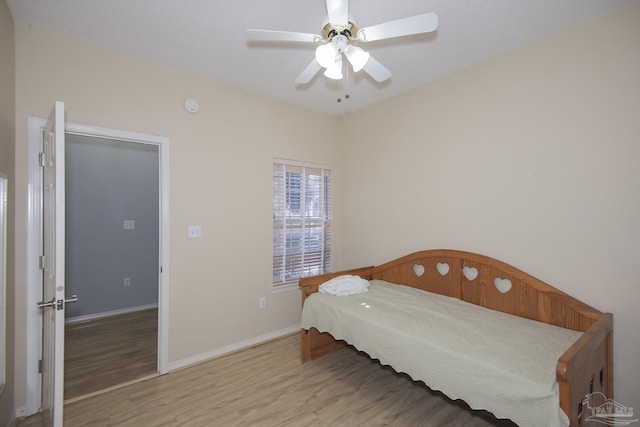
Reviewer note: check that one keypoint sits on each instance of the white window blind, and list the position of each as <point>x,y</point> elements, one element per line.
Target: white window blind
<point>301,221</point>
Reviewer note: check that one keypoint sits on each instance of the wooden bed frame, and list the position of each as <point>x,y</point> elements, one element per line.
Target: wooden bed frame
<point>586,367</point>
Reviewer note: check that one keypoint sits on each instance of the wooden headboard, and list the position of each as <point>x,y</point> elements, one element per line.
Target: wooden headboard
<point>472,277</point>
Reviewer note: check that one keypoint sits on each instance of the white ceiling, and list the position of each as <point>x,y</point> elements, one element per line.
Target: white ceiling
<point>208,37</point>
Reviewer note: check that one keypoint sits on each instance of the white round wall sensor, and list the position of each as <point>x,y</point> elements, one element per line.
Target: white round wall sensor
<point>191,105</point>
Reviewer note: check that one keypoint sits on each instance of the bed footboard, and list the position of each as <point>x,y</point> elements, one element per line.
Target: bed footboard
<point>312,342</point>
<point>585,368</point>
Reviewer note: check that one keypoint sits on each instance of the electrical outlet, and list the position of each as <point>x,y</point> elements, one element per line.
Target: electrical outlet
<point>262,303</point>
<point>127,282</point>
<point>129,224</point>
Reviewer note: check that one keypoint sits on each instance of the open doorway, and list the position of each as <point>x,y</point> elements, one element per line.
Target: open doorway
<point>35,238</point>
<point>112,262</point>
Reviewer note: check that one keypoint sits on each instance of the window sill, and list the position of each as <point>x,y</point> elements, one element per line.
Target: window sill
<point>287,287</point>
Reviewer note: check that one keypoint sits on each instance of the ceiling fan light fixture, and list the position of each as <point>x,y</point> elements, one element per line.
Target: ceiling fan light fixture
<point>335,70</point>
<point>358,57</point>
<point>326,55</point>
<point>338,32</point>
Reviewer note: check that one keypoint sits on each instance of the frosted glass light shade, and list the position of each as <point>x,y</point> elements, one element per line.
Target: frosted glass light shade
<point>335,70</point>
<point>358,57</point>
<point>326,55</point>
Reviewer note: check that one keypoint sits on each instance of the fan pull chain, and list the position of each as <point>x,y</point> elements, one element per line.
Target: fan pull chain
<point>346,95</point>
<point>346,92</point>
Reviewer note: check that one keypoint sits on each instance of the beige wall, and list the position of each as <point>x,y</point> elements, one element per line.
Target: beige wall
<point>7,162</point>
<point>220,178</point>
<point>532,158</point>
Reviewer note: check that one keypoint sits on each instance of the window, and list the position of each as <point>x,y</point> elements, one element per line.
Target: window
<point>301,222</point>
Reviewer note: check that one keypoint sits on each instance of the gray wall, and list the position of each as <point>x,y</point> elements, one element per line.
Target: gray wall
<point>109,182</point>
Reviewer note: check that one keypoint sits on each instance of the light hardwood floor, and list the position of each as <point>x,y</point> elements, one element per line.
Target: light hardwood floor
<point>105,352</point>
<point>267,385</point>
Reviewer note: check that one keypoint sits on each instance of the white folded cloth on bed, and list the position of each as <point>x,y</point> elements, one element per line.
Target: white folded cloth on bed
<point>344,285</point>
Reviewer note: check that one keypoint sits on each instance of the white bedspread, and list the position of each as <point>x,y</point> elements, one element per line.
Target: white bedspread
<point>492,360</point>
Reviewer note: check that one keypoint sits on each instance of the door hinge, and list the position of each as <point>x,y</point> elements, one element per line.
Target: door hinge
<point>42,262</point>
<point>40,366</point>
<point>42,159</point>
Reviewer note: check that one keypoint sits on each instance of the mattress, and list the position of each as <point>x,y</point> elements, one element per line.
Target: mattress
<point>492,360</point>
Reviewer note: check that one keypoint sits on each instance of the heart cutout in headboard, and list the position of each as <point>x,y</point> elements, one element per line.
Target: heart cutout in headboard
<point>443,268</point>
<point>418,269</point>
<point>470,273</point>
<point>503,285</point>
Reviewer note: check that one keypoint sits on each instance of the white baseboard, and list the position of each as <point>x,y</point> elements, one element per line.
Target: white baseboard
<point>17,414</point>
<point>233,347</point>
<point>110,313</point>
<point>21,412</point>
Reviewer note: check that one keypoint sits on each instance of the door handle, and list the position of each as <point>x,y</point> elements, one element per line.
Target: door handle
<point>57,304</point>
<point>43,304</point>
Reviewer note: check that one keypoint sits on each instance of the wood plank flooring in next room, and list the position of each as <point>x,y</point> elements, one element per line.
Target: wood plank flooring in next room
<point>267,386</point>
<point>108,351</point>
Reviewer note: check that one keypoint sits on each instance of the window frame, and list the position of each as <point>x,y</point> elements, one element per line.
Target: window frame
<point>317,224</point>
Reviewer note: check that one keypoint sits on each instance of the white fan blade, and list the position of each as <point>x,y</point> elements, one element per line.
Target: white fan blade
<point>401,27</point>
<point>285,36</point>
<point>308,73</point>
<point>376,70</point>
<point>338,11</point>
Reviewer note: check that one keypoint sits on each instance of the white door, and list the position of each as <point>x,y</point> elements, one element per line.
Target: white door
<point>52,263</point>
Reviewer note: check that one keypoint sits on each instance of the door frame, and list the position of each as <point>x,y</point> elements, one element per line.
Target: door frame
<point>34,246</point>
<point>4,210</point>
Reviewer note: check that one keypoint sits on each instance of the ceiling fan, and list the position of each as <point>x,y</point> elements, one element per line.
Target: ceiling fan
<point>338,34</point>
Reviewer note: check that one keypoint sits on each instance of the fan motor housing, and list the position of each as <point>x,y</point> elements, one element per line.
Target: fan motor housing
<point>350,31</point>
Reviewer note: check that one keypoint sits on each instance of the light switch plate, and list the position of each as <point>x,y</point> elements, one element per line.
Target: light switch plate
<point>195,231</point>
